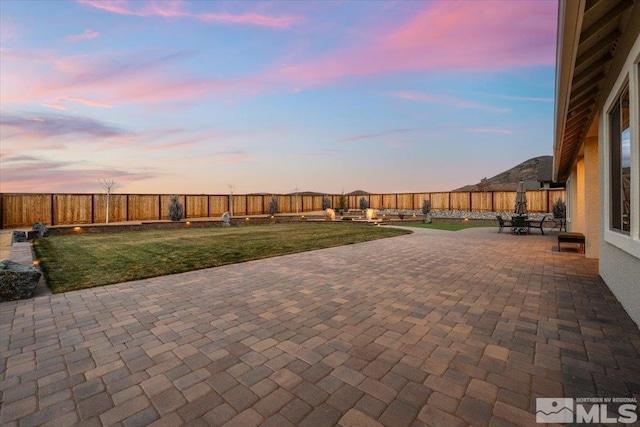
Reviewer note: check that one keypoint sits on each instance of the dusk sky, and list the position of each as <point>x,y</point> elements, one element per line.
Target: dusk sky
<point>189,97</point>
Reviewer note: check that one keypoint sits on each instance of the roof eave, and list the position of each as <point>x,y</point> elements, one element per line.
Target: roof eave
<point>569,26</point>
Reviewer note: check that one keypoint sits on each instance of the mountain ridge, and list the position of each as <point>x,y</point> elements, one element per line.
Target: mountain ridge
<point>535,173</point>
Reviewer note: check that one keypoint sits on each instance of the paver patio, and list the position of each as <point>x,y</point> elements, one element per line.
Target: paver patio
<point>434,328</point>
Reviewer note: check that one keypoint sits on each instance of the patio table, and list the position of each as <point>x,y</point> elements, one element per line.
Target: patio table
<point>520,225</point>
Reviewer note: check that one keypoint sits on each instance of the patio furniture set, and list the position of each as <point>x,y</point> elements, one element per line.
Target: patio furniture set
<point>521,224</point>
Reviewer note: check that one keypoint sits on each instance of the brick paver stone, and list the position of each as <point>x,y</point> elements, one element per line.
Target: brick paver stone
<point>429,329</point>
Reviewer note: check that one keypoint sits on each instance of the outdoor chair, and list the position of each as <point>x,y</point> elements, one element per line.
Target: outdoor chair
<point>538,224</point>
<point>502,223</point>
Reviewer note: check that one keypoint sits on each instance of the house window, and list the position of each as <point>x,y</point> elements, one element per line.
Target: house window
<point>621,164</point>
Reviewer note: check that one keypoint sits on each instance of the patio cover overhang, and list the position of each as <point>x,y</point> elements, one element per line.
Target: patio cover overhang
<point>589,32</point>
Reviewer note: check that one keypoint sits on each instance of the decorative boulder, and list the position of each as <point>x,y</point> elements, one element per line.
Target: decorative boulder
<point>331,214</point>
<point>17,281</point>
<point>41,230</point>
<point>19,237</point>
<point>226,219</point>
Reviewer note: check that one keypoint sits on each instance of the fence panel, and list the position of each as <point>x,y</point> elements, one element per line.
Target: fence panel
<point>459,201</point>
<point>316,204</point>
<point>389,201</point>
<point>306,203</point>
<point>440,201</point>
<point>24,210</point>
<point>405,201</point>
<point>375,201</point>
<point>72,209</point>
<point>419,198</point>
<point>284,204</point>
<point>143,207</point>
<point>537,201</point>
<point>482,201</point>
<point>117,208</point>
<point>255,204</point>
<point>196,206</point>
<point>218,205</point>
<point>239,205</point>
<point>504,201</point>
<point>353,202</point>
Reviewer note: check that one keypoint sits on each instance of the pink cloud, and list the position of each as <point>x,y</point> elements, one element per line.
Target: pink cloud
<point>525,98</point>
<point>60,176</point>
<point>235,156</point>
<point>445,36</point>
<point>105,81</point>
<point>446,100</point>
<point>86,35</point>
<point>361,137</point>
<point>174,9</point>
<point>58,103</point>
<point>489,130</point>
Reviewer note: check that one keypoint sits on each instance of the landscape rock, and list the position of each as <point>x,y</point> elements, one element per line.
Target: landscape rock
<point>226,219</point>
<point>330,213</point>
<point>41,230</point>
<point>19,237</point>
<point>17,281</point>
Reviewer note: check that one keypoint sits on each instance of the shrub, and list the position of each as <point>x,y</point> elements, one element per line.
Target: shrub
<point>559,209</point>
<point>326,203</point>
<point>176,210</point>
<point>426,206</point>
<point>273,205</point>
<point>364,204</point>
<point>342,202</point>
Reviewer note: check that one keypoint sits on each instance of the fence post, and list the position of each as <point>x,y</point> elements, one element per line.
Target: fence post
<point>52,210</point>
<point>1,211</point>
<point>492,207</point>
<point>548,206</point>
<point>470,202</point>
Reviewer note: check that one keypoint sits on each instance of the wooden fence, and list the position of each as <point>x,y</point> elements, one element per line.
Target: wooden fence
<point>25,209</point>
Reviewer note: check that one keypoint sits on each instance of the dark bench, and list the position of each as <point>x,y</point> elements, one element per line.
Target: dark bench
<point>571,237</point>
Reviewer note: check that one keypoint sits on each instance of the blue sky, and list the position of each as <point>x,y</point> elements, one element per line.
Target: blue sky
<point>189,97</point>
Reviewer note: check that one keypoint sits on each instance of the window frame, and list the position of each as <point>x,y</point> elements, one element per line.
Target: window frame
<point>629,76</point>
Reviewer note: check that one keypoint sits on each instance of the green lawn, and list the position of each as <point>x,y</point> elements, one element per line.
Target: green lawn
<point>87,260</point>
<point>449,227</point>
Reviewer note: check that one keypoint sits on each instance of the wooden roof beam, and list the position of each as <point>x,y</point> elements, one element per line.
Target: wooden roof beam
<point>586,70</point>
<point>576,125</point>
<point>579,90</point>
<point>599,48</point>
<point>607,18</point>
<point>587,97</point>
<point>589,5</point>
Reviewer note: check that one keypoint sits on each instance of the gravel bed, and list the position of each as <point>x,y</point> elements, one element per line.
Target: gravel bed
<point>459,214</point>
